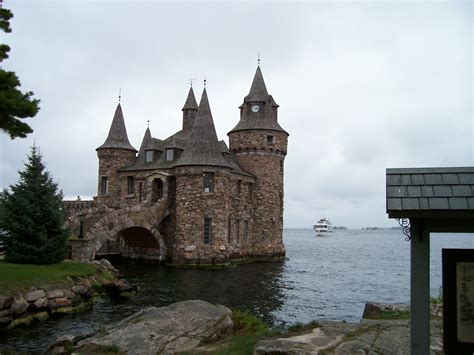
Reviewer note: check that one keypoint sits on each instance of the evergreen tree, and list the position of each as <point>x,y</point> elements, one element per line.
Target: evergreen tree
<point>32,216</point>
<point>14,104</point>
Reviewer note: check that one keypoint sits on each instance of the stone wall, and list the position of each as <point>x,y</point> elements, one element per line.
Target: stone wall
<point>264,159</point>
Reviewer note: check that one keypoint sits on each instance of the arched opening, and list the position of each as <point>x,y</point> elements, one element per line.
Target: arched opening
<point>138,243</point>
<point>156,190</point>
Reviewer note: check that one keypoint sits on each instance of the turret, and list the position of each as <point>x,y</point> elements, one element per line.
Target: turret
<point>190,109</point>
<point>115,153</point>
<point>259,144</point>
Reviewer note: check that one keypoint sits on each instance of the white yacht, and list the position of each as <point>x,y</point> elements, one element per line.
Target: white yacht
<point>323,227</point>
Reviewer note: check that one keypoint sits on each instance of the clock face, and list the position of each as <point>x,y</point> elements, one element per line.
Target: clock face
<point>255,108</point>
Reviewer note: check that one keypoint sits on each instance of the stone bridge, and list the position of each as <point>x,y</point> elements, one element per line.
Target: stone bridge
<point>133,231</point>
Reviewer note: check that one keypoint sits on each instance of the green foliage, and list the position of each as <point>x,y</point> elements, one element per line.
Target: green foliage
<point>302,327</point>
<point>247,323</point>
<point>22,276</point>
<point>14,105</point>
<point>32,216</point>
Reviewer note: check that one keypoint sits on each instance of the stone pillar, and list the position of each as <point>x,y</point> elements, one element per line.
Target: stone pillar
<point>81,249</point>
<point>420,289</point>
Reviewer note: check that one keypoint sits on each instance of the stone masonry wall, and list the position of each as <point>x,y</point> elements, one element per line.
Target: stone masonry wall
<point>264,159</point>
<point>109,161</point>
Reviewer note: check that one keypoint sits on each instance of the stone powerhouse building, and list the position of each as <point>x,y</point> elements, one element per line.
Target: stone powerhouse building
<point>189,199</point>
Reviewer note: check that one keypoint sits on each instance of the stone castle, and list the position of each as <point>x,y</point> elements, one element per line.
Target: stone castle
<point>189,199</point>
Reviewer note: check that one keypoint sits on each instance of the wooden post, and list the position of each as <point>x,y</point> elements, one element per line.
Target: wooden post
<point>420,289</point>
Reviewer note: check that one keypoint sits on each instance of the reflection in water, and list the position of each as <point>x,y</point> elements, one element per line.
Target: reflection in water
<point>255,287</point>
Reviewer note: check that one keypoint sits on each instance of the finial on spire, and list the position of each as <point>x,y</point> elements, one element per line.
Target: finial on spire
<point>191,81</point>
<point>258,60</point>
<point>205,82</point>
<point>120,94</point>
<point>148,125</point>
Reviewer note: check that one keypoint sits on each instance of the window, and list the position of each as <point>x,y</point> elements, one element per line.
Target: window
<point>281,166</point>
<point>207,230</point>
<point>130,185</point>
<point>246,230</point>
<point>250,191</point>
<point>156,190</point>
<point>239,187</point>
<point>140,192</point>
<point>104,185</point>
<point>208,182</point>
<point>149,156</point>
<point>270,140</point>
<point>169,154</point>
<point>229,230</point>
<point>237,229</point>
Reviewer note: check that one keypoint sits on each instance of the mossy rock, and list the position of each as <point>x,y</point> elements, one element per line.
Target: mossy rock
<point>20,321</point>
<point>41,316</point>
<point>65,310</point>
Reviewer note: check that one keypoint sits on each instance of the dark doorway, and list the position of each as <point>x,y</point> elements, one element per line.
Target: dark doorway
<point>156,190</point>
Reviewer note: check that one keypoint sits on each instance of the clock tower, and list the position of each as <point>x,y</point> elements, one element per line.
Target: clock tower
<point>260,144</point>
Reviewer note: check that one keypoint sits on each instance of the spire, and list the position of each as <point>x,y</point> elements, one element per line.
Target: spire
<point>258,90</point>
<point>190,101</point>
<point>117,137</point>
<point>146,140</point>
<point>202,146</point>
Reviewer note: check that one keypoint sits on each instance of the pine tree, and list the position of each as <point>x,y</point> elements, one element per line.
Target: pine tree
<point>32,216</point>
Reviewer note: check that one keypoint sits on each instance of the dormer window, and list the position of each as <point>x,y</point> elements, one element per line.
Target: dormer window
<point>270,140</point>
<point>169,154</point>
<point>149,155</point>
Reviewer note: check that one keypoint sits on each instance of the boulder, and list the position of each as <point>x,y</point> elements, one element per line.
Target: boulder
<point>116,287</point>
<point>375,310</point>
<point>5,302</point>
<point>62,302</point>
<point>54,294</point>
<point>39,304</point>
<point>179,327</point>
<point>34,295</point>
<point>19,306</point>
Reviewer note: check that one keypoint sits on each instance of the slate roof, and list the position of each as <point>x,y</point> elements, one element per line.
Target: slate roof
<point>417,192</point>
<point>190,101</point>
<point>117,137</point>
<point>258,93</point>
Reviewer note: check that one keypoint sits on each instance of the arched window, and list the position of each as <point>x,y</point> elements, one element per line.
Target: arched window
<point>156,190</point>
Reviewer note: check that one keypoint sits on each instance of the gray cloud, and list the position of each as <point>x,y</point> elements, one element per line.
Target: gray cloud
<point>362,86</point>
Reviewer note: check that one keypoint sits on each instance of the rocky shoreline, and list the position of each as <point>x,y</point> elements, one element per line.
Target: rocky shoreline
<point>39,303</point>
<point>199,327</point>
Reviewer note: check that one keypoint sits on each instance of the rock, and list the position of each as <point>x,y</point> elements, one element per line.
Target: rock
<point>374,310</point>
<point>20,321</point>
<point>68,294</point>
<point>34,295</point>
<point>61,344</point>
<point>79,289</point>
<point>190,248</point>
<point>116,287</point>
<point>4,321</point>
<point>65,310</point>
<point>19,306</point>
<point>179,327</point>
<point>39,304</point>
<point>6,312</point>
<point>54,294</point>
<point>5,302</point>
<point>62,302</point>
<point>41,316</point>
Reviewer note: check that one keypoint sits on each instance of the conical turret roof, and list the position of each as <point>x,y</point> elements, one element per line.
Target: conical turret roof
<point>258,90</point>
<point>117,137</point>
<point>190,101</point>
<point>202,147</point>
<point>145,141</point>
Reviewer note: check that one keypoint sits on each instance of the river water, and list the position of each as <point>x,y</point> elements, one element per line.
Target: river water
<point>323,278</point>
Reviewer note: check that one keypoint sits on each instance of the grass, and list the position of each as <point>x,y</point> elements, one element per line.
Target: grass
<point>22,276</point>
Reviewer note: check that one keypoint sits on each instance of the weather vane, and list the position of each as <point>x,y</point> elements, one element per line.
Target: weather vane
<point>191,81</point>
<point>120,94</point>
<point>148,123</point>
<point>258,60</point>
<point>204,82</point>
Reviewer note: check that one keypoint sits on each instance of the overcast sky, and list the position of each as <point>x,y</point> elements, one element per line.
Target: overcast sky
<point>362,86</point>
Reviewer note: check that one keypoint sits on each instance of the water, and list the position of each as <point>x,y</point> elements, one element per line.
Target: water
<point>328,278</point>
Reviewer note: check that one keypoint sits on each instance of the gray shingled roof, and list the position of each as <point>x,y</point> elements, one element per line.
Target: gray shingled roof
<point>258,93</point>
<point>117,137</point>
<point>202,146</point>
<point>190,101</point>
<point>417,191</point>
